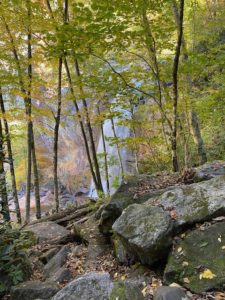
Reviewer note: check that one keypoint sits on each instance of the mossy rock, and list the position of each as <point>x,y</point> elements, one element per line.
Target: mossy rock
<point>198,251</point>
<point>125,196</point>
<point>145,231</point>
<point>197,202</point>
<point>125,291</point>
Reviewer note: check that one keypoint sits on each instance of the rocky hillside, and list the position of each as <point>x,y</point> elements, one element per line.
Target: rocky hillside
<point>161,237</point>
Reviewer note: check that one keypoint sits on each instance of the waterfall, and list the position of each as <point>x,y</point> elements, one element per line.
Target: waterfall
<point>115,172</point>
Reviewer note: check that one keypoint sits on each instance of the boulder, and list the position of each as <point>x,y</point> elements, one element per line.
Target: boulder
<point>90,286</point>
<point>48,255</point>
<point>57,261</point>
<point>170,293</point>
<point>47,231</point>
<point>120,251</point>
<point>62,275</point>
<point>197,261</point>
<point>145,231</point>
<point>209,171</point>
<point>32,290</point>
<point>125,196</point>
<point>98,286</point>
<point>196,202</point>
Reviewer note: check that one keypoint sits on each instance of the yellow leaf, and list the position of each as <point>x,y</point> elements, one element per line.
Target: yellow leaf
<point>144,291</point>
<point>185,264</point>
<point>186,280</point>
<point>115,275</point>
<point>179,249</point>
<point>207,274</point>
<point>223,247</point>
<point>123,277</point>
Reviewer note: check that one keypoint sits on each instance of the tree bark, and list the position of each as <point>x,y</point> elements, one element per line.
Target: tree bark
<point>175,88</point>
<point>99,186</point>
<point>3,186</point>
<point>80,122</point>
<point>10,157</point>
<point>36,177</point>
<point>56,135</point>
<point>118,149</point>
<point>105,157</point>
<point>195,130</point>
<point>194,122</point>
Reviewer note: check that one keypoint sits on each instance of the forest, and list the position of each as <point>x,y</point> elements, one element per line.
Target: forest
<point>105,105</point>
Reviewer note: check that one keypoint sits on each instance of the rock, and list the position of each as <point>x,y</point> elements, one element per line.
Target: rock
<point>145,232</point>
<point>209,170</point>
<point>47,230</point>
<point>57,261</point>
<point>62,275</point>
<point>45,257</point>
<point>32,290</point>
<point>120,251</point>
<point>196,202</point>
<point>198,251</point>
<point>124,197</point>
<point>98,286</point>
<point>170,293</point>
<point>125,291</point>
<point>90,286</point>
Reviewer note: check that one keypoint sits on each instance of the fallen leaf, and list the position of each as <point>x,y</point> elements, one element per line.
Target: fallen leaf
<point>186,280</point>
<point>179,249</point>
<point>144,291</point>
<point>123,277</point>
<point>207,274</point>
<point>223,247</point>
<point>185,263</point>
<point>219,239</point>
<point>203,244</point>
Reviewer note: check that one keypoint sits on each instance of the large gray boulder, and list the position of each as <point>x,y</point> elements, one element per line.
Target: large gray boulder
<point>196,202</point>
<point>32,290</point>
<point>47,231</point>
<point>98,286</point>
<point>170,293</point>
<point>198,260</point>
<point>145,232</point>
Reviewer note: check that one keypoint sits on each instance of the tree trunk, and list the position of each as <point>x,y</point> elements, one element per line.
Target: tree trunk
<point>56,136</point>
<point>195,130</point>
<point>99,186</point>
<point>11,161</point>
<point>3,187</point>
<point>105,157</point>
<point>118,149</point>
<point>36,177</point>
<point>175,88</point>
<point>80,122</point>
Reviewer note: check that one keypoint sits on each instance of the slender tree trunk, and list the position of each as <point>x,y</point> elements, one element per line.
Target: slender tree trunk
<point>175,88</point>
<point>105,157</point>
<point>56,136</point>
<point>11,161</point>
<point>31,152</point>
<point>195,128</point>
<point>134,134</point>
<point>3,186</point>
<point>80,122</point>
<point>36,177</point>
<point>99,186</point>
<point>118,149</point>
